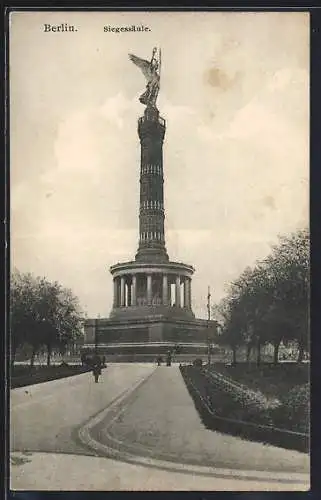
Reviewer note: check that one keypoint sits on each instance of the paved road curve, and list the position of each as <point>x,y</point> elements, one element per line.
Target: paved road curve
<point>45,417</point>
<point>157,420</point>
<point>161,421</point>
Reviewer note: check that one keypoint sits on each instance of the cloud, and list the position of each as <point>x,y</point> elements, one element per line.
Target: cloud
<point>234,94</point>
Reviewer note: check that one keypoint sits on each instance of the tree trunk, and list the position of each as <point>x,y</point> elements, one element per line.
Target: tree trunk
<point>258,359</point>
<point>32,359</point>
<point>276,352</point>
<point>248,352</point>
<point>48,354</point>
<point>234,355</point>
<point>300,354</point>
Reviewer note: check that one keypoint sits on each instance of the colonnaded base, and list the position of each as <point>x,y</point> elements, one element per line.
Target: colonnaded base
<point>130,340</point>
<point>151,313</point>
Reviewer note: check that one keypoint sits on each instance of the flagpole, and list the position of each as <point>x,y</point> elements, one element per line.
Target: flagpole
<point>208,326</point>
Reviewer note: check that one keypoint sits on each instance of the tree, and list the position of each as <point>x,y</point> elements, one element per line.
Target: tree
<point>42,314</point>
<point>244,308</point>
<point>289,265</point>
<point>230,330</point>
<point>23,313</point>
<point>226,335</point>
<point>269,303</point>
<point>295,252</point>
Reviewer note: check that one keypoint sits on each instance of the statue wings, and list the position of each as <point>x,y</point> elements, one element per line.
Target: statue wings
<point>144,65</point>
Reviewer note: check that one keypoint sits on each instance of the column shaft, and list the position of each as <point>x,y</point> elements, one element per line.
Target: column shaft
<point>122,291</point>
<point>134,283</point>
<point>149,289</point>
<point>129,293</point>
<point>115,293</point>
<point>118,292</point>
<point>190,293</point>
<point>178,292</point>
<point>165,290</point>
<point>169,294</point>
<point>186,293</point>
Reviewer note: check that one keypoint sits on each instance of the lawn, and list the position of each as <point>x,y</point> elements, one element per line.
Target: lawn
<point>272,381</point>
<point>230,405</point>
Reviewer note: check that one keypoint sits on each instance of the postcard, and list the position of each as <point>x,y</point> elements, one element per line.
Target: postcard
<point>159,215</point>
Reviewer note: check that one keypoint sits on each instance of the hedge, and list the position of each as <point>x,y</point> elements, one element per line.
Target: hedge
<point>229,407</point>
<point>40,374</point>
<point>294,410</point>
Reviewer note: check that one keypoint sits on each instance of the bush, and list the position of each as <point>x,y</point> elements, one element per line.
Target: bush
<point>227,399</point>
<point>40,374</point>
<point>272,381</point>
<point>238,402</point>
<point>294,410</point>
<point>223,414</point>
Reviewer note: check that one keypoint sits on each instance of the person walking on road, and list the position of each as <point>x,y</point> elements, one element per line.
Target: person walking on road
<point>96,372</point>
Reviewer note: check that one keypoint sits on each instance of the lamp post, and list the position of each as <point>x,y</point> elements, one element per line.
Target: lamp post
<point>208,326</point>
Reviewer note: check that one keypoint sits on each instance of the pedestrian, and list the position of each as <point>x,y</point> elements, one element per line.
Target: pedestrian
<point>96,372</point>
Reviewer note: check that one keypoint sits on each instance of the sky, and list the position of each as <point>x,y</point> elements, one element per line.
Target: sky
<point>235,97</point>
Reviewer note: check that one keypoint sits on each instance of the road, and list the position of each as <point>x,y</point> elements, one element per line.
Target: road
<point>157,420</point>
<point>169,427</point>
<point>45,417</point>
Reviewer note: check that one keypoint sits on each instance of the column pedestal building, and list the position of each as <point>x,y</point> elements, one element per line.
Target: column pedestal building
<point>152,295</point>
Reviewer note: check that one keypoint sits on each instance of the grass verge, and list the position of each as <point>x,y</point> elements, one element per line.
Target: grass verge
<point>26,375</point>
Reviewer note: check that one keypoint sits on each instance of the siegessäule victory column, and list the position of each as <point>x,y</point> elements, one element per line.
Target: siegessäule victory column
<point>152,304</point>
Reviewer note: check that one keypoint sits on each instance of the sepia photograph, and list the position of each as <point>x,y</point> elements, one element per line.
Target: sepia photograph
<point>159,323</point>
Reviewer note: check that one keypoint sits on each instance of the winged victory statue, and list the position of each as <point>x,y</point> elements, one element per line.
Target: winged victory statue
<point>151,71</point>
